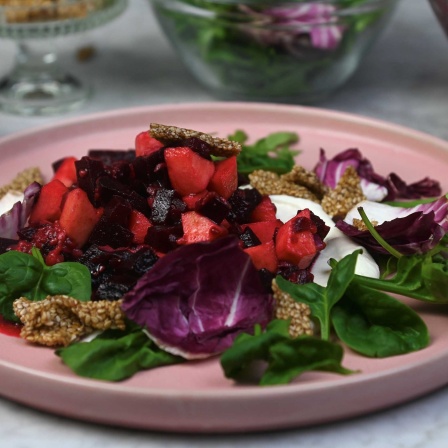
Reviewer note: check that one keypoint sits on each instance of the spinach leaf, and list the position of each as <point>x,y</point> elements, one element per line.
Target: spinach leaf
<point>24,275</point>
<point>416,276</point>
<point>286,357</point>
<point>115,355</point>
<point>272,153</point>
<point>321,299</point>
<point>377,325</point>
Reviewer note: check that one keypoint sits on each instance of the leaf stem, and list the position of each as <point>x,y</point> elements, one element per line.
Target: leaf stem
<point>379,239</point>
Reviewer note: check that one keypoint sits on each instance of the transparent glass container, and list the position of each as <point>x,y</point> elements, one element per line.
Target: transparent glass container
<point>294,52</point>
<point>37,84</point>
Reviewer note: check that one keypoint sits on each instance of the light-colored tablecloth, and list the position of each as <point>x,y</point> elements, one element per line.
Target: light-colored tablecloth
<point>403,80</point>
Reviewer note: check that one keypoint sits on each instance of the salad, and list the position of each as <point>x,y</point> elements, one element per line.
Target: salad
<point>191,246</point>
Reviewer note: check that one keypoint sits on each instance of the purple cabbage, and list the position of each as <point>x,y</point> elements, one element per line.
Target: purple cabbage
<point>291,23</point>
<point>198,298</point>
<point>374,186</point>
<point>16,218</point>
<point>413,230</point>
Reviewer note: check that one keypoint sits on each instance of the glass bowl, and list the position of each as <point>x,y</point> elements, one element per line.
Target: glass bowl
<point>266,50</point>
<point>37,84</point>
<point>440,8</point>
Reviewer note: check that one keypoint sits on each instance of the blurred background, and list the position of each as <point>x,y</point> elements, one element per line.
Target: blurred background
<point>129,62</point>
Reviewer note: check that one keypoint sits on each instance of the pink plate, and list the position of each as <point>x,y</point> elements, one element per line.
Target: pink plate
<point>195,397</point>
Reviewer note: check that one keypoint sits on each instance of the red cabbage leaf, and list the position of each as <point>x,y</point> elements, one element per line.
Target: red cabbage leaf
<point>16,218</point>
<point>413,230</point>
<point>198,298</point>
<point>375,187</point>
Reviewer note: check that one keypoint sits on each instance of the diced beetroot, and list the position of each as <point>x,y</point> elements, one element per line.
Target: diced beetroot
<point>295,245</point>
<point>79,216</point>
<point>264,211</point>
<point>264,256</point>
<point>66,172</point>
<point>191,199</point>
<point>145,144</point>
<point>188,171</point>
<point>213,206</point>
<point>225,179</point>
<point>248,238</point>
<point>198,228</point>
<point>264,230</point>
<point>48,206</point>
<point>139,225</point>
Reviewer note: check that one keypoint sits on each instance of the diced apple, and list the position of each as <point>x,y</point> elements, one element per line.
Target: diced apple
<point>264,230</point>
<point>66,172</point>
<point>264,256</point>
<point>198,228</point>
<point>264,211</point>
<point>192,199</point>
<point>48,206</point>
<point>225,179</point>
<point>145,144</point>
<point>295,245</point>
<point>139,225</point>
<point>189,173</point>
<point>79,216</point>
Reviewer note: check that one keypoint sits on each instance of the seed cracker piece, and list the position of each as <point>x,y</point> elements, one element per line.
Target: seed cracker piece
<point>170,135</point>
<point>299,313</point>
<point>345,195</point>
<point>59,320</point>
<point>267,182</point>
<point>359,224</point>
<point>300,176</point>
<point>22,180</point>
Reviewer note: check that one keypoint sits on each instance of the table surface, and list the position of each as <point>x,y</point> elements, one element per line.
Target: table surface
<point>403,80</point>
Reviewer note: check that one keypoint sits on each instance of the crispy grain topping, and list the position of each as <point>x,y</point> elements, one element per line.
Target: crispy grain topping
<point>301,176</point>
<point>170,135</point>
<point>22,180</point>
<point>359,224</point>
<point>299,313</point>
<point>267,182</point>
<point>59,320</point>
<point>345,196</point>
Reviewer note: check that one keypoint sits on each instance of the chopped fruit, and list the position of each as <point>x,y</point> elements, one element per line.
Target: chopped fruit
<point>264,211</point>
<point>295,240</point>
<point>264,230</point>
<point>145,144</point>
<point>79,216</point>
<point>198,228</point>
<point>48,206</point>
<point>264,256</point>
<point>192,199</point>
<point>188,171</point>
<point>138,225</point>
<point>225,179</point>
<point>66,171</point>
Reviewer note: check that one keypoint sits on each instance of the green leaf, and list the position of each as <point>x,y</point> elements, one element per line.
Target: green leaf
<point>377,325</point>
<point>68,278</point>
<point>321,299</point>
<point>286,358</point>
<point>24,275</point>
<point>272,153</point>
<point>115,355</point>
<point>416,276</point>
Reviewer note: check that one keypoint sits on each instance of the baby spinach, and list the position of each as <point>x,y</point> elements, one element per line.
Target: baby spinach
<point>286,357</point>
<point>25,275</point>
<point>321,299</point>
<point>115,355</point>
<point>377,325</point>
<point>272,153</point>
